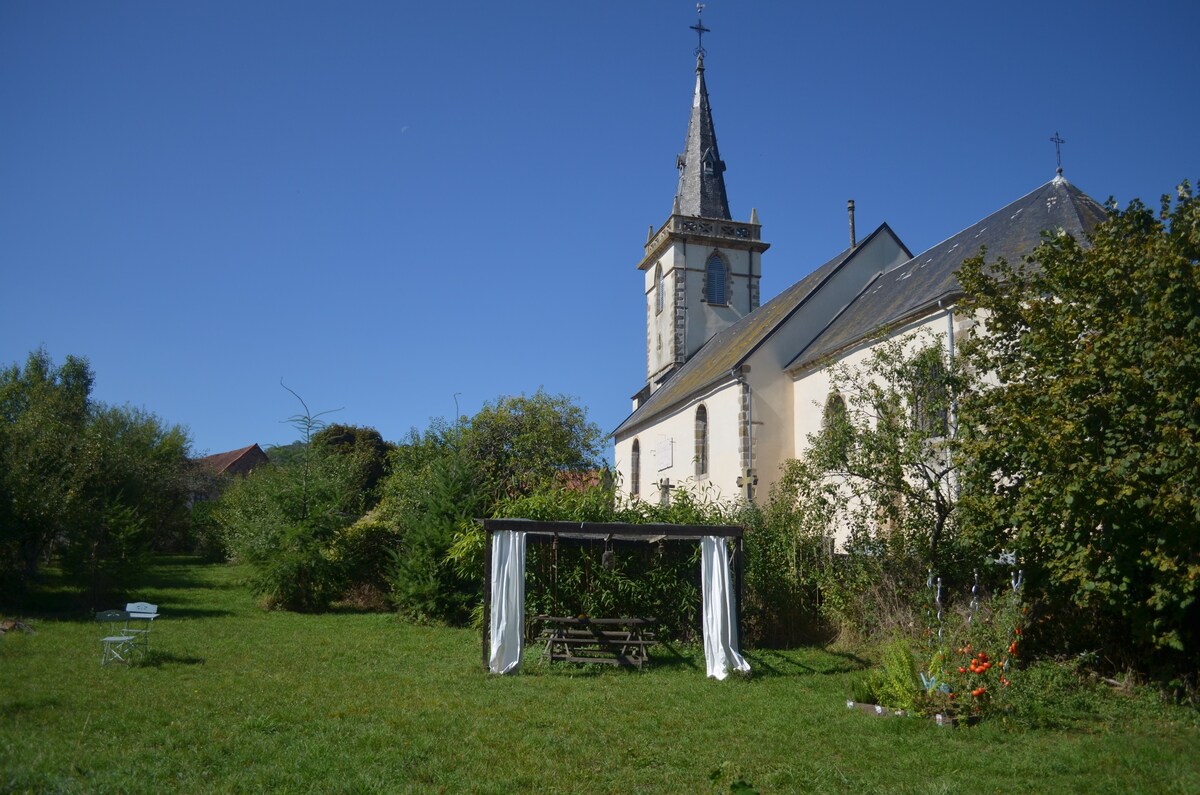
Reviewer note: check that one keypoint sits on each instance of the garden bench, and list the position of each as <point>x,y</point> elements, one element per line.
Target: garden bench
<point>608,641</point>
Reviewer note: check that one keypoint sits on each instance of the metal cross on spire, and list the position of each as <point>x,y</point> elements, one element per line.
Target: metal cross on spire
<point>700,30</point>
<point>1058,142</point>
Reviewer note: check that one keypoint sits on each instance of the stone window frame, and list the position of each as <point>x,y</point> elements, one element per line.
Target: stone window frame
<point>635,469</point>
<point>835,406</point>
<point>660,289</point>
<point>701,441</point>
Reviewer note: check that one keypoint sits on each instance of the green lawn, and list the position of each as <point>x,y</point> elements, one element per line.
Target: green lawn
<point>237,700</point>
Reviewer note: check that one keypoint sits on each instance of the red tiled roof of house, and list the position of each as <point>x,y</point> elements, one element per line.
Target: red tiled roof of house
<point>223,462</point>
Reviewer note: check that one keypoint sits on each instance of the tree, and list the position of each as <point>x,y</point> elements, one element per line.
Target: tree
<point>1085,457</point>
<point>521,442</point>
<point>44,413</point>
<point>283,520</point>
<point>441,481</point>
<point>133,471</point>
<point>97,484</point>
<point>881,479</point>
<point>884,462</point>
<point>364,451</point>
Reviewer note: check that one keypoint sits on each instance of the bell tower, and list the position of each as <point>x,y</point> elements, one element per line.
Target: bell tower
<point>701,267</point>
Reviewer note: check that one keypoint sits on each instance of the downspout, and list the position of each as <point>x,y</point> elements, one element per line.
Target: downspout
<point>952,409</point>
<point>952,419</point>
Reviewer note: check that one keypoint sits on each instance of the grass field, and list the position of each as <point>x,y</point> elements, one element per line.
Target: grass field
<point>233,699</point>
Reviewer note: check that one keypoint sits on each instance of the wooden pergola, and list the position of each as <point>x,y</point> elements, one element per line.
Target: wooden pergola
<point>543,531</point>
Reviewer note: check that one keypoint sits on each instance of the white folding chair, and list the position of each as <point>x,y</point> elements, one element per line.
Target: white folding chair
<point>137,626</point>
<point>119,645</point>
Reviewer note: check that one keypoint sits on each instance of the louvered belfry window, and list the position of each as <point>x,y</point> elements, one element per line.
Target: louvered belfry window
<point>715,288</point>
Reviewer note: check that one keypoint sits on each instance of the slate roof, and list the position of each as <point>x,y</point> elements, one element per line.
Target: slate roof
<point>915,286</point>
<point>701,190</point>
<point>731,346</point>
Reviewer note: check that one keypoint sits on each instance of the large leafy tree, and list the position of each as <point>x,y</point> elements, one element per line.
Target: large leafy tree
<point>1086,454</point>
<point>364,451</point>
<point>132,469</point>
<point>96,484</point>
<point>43,420</point>
<point>521,442</point>
<point>444,479</point>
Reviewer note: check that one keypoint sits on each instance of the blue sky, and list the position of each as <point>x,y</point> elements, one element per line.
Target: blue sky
<point>392,205</point>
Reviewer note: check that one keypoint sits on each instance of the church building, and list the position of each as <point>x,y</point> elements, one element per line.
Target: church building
<point>735,386</point>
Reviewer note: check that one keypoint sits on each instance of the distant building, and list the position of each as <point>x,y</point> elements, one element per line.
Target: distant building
<point>213,470</point>
<point>733,389</point>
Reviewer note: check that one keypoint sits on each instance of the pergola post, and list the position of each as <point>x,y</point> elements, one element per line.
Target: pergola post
<point>487,594</point>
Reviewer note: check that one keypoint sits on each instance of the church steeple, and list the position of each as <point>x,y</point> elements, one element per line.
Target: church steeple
<point>702,269</point>
<point>701,190</point>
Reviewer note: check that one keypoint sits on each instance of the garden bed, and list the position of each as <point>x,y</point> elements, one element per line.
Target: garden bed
<point>881,711</point>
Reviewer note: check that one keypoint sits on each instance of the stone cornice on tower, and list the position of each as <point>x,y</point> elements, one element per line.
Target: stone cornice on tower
<point>712,231</point>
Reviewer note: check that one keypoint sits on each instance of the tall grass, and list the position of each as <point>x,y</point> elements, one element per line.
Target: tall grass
<point>233,699</point>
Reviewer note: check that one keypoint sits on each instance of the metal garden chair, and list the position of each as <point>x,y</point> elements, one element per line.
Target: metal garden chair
<point>119,645</point>
<point>141,616</point>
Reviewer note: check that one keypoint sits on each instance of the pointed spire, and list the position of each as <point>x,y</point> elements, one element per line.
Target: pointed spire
<point>701,190</point>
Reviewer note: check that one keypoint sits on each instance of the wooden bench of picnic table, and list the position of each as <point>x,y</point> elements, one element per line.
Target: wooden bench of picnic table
<point>609,641</point>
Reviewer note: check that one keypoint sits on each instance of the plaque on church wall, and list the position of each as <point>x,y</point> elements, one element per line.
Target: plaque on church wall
<point>666,446</point>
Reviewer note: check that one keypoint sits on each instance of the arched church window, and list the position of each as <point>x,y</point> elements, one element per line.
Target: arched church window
<point>701,441</point>
<point>929,398</point>
<point>835,429</point>
<point>715,291</point>
<point>835,410</point>
<point>635,469</point>
<point>660,289</point>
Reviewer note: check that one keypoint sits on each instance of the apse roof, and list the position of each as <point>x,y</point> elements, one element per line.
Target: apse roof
<point>1011,232</point>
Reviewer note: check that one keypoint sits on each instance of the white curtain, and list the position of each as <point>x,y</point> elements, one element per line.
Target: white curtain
<point>720,624</point>
<point>508,601</point>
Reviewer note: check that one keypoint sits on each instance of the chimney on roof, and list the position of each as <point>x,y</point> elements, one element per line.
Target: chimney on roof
<point>850,212</point>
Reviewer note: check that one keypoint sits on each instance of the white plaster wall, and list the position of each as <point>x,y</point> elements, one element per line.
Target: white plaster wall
<point>772,388</point>
<point>705,320</point>
<point>660,331</point>
<point>678,429</point>
<point>811,389</point>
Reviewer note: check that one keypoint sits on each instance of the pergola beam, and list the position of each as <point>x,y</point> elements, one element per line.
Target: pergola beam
<point>615,530</point>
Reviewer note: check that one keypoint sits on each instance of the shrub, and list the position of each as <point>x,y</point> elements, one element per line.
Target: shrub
<point>894,683</point>
<point>282,520</point>
<point>364,552</point>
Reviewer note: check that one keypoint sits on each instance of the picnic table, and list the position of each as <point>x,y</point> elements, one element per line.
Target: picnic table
<point>610,641</point>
